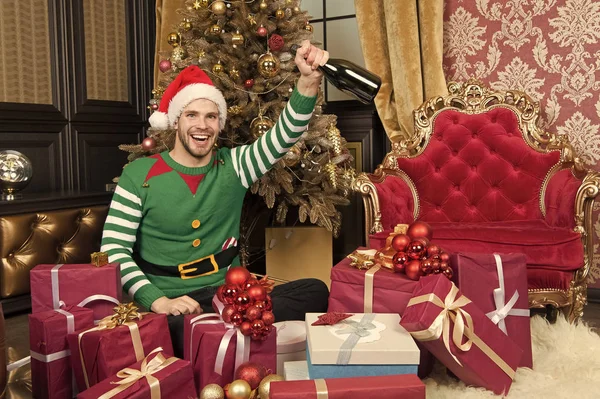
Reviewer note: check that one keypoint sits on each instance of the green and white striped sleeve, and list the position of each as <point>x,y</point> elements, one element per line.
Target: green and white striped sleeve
<point>254,160</point>
<point>118,238</point>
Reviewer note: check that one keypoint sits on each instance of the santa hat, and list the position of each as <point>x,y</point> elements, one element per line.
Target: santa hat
<point>191,84</point>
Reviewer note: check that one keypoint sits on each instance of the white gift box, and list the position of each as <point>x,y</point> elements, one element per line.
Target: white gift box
<point>295,371</point>
<point>291,342</point>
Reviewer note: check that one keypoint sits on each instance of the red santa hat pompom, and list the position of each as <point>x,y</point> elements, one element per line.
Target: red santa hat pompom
<point>191,84</point>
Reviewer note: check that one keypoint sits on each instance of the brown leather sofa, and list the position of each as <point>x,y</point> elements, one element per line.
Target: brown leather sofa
<point>2,356</point>
<point>27,239</point>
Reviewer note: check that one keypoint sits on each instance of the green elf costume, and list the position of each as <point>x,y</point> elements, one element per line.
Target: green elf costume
<point>174,229</point>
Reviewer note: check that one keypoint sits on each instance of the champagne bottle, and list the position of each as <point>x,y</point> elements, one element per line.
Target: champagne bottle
<point>350,78</point>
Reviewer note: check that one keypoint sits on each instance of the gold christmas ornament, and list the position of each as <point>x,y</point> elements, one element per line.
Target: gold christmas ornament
<point>217,68</point>
<point>279,14</point>
<point>214,29</point>
<point>218,7</point>
<point>268,65</point>
<point>178,54</point>
<point>296,10</point>
<point>212,391</point>
<point>251,19</point>
<point>265,385</point>
<point>186,24</point>
<point>330,170</point>
<point>289,3</point>
<point>238,389</point>
<point>237,39</point>
<point>234,73</point>
<point>263,5</point>
<point>260,125</point>
<point>198,4</point>
<point>292,157</point>
<point>201,55</point>
<point>308,27</point>
<point>333,135</point>
<point>174,39</point>
<point>234,110</point>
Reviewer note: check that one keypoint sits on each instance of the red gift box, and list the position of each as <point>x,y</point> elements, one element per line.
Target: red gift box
<point>98,353</point>
<point>377,290</point>
<point>407,386</point>
<point>51,375</point>
<point>97,288</point>
<point>497,284</point>
<point>460,335</point>
<point>205,335</point>
<point>156,376</point>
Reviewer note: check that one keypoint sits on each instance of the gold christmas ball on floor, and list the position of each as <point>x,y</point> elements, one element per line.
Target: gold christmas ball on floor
<point>218,7</point>
<point>212,391</point>
<point>238,389</point>
<point>265,385</point>
<point>268,65</point>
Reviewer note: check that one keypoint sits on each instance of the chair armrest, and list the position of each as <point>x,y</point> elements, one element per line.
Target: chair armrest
<point>389,197</point>
<point>559,199</point>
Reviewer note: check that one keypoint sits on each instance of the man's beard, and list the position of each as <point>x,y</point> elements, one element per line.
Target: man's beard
<point>200,153</point>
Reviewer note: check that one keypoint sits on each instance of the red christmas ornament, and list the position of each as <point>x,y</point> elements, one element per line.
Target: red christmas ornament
<point>246,328</point>
<point>275,42</point>
<point>228,311</point>
<point>420,229</point>
<point>154,107</point>
<point>262,31</point>
<point>415,249</point>
<point>236,319</point>
<point>399,260</point>
<point>444,257</point>
<point>220,293</point>
<point>436,267</point>
<point>268,318</point>
<point>433,250</point>
<point>253,313</point>
<point>230,292</point>
<point>400,242</point>
<point>250,282</point>
<point>426,266</point>
<point>257,325</point>
<point>257,293</point>
<point>260,305</point>
<point>424,241</point>
<point>148,144</point>
<point>249,83</point>
<point>268,304</point>
<point>164,66</point>
<point>412,269</point>
<point>237,276</point>
<point>252,373</point>
<point>448,272</point>
<point>242,301</point>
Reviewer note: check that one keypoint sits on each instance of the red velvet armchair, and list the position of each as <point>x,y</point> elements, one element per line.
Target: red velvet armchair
<point>481,172</point>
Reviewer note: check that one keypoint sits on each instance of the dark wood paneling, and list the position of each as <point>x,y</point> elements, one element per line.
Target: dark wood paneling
<point>45,150</point>
<point>594,295</point>
<point>132,111</point>
<point>97,156</point>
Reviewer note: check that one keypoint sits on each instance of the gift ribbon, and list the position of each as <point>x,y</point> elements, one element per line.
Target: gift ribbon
<point>357,330</point>
<point>242,349</point>
<point>124,316</point>
<point>368,294</point>
<point>463,327</point>
<point>129,375</point>
<point>321,388</point>
<point>504,309</point>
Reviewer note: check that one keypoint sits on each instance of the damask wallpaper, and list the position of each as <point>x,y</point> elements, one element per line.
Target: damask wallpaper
<point>547,48</point>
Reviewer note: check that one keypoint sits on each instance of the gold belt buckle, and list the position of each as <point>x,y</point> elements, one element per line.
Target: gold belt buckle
<point>184,270</point>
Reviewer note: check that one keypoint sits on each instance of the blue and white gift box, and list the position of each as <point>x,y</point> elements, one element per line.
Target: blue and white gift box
<point>366,344</point>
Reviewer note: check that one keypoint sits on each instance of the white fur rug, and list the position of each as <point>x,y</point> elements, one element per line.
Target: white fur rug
<point>566,361</point>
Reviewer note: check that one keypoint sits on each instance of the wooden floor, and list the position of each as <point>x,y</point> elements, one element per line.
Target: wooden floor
<point>17,340</point>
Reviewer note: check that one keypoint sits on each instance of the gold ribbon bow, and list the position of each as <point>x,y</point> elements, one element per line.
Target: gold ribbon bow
<point>129,375</point>
<point>362,260</point>
<point>463,327</point>
<point>125,315</point>
<point>99,259</point>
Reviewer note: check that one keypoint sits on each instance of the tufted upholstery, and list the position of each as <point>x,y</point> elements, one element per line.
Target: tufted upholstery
<point>488,179</point>
<point>59,236</point>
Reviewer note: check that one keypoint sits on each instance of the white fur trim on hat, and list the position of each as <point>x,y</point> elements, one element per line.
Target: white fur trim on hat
<point>196,91</point>
<point>159,120</point>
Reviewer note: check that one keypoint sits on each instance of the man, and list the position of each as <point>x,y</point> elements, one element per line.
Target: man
<point>174,220</point>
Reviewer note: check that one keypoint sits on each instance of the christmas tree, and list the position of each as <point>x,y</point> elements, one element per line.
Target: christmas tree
<point>244,46</point>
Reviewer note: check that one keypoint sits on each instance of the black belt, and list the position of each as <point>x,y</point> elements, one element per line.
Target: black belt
<point>194,269</point>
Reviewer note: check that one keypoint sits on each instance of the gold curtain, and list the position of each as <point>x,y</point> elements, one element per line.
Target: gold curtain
<point>166,21</point>
<point>402,41</point>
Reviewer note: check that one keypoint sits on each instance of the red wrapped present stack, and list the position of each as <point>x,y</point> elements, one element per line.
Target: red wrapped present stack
<point>407,386</point>
<point>95,287</point>
<point>461,336</point>
<point>51,375</point>
<point>242,330</point>
<point>117,342</point>
<point>156,376</point>
<point>497,284</point>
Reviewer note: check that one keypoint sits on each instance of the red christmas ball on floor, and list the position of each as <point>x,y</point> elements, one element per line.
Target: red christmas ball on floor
<point>164,65</point>
<point>420,229</point>
<point>148,144</point>
<point>413,269</point>
<point>252,373</point>
<point>400,242</point>
<point>257,293</point>
<point>237,276</point>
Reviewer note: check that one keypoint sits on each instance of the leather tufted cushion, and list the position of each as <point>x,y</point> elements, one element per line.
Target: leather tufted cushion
<point>478,168</point>
<point>64,236</point>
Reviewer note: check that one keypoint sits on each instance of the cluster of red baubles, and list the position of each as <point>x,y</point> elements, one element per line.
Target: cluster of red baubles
<point>247,304</point>
<point>416,256</point>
